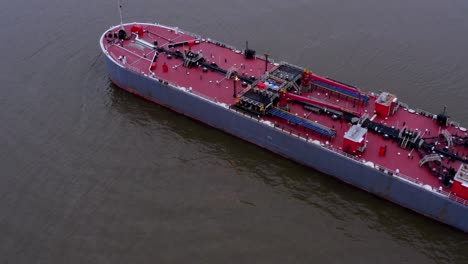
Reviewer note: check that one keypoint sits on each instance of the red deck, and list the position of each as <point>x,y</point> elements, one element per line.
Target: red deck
<point>216,87</point>
<point>209,84</point>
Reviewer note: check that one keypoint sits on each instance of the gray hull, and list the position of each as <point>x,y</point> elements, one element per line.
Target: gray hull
<point>319,157</point>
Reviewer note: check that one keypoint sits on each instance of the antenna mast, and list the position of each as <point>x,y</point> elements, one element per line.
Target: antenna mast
<point>120,13</point>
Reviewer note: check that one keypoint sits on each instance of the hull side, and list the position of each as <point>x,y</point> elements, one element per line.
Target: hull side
<point>356,173</point>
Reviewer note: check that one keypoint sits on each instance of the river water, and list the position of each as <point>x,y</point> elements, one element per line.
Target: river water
<point>91,174</point>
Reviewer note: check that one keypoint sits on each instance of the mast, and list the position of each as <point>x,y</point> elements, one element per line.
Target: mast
<point>120,13</point>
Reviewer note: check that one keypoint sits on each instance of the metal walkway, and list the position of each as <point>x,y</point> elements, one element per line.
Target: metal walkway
<point>295,120</point>
<point>340,90</point>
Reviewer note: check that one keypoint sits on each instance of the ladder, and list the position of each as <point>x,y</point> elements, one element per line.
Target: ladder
<point>448,137</point>
<point>230,72</point>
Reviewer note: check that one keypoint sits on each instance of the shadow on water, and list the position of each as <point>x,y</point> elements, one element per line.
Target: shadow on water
<point>342,202</point>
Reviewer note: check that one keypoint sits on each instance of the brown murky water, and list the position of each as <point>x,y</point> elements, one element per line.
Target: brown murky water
<point>91,174</point>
